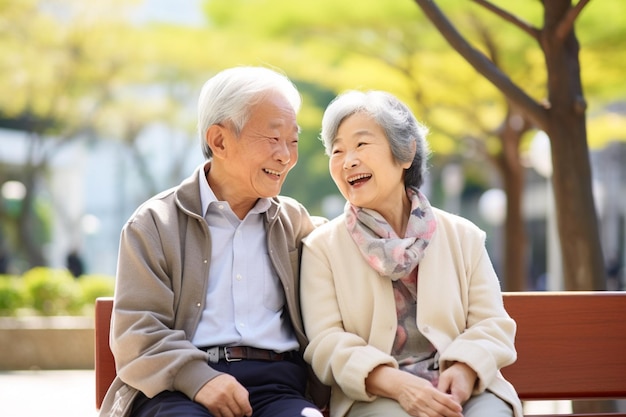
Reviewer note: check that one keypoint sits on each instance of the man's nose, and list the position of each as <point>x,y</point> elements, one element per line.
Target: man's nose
<point>281,153</point>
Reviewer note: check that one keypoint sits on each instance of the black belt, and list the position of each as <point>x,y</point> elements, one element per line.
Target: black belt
<point>237,353</point>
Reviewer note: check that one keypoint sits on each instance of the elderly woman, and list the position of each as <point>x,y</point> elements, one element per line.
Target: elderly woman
<point>400,301</point>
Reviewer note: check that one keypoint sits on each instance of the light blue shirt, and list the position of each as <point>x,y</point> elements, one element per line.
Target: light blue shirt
<point>244,300</point>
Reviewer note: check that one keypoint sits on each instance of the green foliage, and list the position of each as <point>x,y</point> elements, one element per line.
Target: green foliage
<point>11,295</point>
<point>85,67</point>
<point>48,292</point>
<point>52,291</point>
<point>94,286</point>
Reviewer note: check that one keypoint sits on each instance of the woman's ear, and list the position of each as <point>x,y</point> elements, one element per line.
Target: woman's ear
<point>408,164</point>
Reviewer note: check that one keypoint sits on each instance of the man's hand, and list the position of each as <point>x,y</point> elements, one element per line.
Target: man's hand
<point>458,380</point>
<point>223,396</point>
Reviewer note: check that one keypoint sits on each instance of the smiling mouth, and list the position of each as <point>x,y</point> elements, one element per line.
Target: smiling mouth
<point>272,172</point>
<point>359,178</point>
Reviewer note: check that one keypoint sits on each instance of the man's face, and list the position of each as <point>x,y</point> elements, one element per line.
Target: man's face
<point>259,160</point>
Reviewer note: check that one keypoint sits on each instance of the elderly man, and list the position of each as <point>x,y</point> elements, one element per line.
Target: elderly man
<point>206,318</point>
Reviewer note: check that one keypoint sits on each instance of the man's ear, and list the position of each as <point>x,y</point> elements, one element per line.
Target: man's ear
<point>216,140</point>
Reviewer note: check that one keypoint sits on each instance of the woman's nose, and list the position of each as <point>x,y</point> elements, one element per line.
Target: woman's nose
<point>351,161</point>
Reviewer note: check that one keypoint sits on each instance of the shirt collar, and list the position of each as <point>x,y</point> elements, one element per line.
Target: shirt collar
<point>207,196</point>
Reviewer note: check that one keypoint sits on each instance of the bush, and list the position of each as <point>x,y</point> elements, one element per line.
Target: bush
<point>52,291</point>
<point>49,292</point>
<point>11,295</point>
<point>94,286</point>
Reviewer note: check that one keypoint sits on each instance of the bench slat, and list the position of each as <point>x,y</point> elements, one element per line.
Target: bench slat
<point>577,415</point>
<point>104,361</point>
<point>557,361</point>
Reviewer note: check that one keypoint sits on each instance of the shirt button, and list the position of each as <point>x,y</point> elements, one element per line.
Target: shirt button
<point>198,304</point>
<point>426,329</point>
<point>221,207</point>
<point>239,277</point>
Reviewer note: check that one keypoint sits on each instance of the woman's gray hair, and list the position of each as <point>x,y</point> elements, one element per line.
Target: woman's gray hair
<point>230,94</point>
<point>397,121</point>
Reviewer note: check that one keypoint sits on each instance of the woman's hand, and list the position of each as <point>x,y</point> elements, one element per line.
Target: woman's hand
<point>416,395</point>
<point>458,380</point>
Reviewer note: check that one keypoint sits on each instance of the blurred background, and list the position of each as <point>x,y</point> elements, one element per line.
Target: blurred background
<point>98,113</point>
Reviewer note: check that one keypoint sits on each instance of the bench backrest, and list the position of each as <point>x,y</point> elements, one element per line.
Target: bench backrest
<point>104,361</point>
<point>571,345</point>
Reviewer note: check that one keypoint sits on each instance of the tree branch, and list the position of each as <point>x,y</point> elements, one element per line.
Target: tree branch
<point>565,26</point>
<point>488,40</point>
<point>483,65</point>
<point>525,26</point>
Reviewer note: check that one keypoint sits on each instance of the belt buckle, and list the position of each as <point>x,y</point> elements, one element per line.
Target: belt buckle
<point>227,356</point>
<point>214,354</point>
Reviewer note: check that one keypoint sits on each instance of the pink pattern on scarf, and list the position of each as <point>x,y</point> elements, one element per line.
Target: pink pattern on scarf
<point>388,254</point>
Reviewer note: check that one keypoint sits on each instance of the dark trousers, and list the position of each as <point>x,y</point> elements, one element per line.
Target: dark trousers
<point>276,390</point>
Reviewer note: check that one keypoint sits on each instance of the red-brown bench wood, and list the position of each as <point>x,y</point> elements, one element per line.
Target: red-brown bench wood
<point>104,361</point>
<point>571,346</point>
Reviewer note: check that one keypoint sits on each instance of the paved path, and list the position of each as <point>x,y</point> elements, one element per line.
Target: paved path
<point>47,394</point>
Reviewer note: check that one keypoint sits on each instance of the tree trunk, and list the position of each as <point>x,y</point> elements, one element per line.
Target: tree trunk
<point>28,246</point>
<point>512,173</point>
<point>583,264</point>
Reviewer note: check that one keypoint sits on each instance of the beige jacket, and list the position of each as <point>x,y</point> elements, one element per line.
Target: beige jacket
<point>350,317</point>
<point>163,265</point>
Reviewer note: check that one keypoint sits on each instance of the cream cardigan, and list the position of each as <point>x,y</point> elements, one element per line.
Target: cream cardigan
<point>350,318</point>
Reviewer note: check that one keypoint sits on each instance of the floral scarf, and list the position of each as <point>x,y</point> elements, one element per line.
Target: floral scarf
<point>398,258</point>
<point>390,255</point>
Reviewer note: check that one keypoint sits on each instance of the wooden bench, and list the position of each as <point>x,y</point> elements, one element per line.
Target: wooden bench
<point>571,346</point>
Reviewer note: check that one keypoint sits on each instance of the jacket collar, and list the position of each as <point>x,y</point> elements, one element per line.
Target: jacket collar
<point>188,193</point>
<point>188,196</point>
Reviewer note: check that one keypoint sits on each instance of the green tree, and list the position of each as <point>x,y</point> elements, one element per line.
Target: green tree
<point>391,46</point>
<point>561,116</point>
<point>54,81</point>
<point>88,73</point>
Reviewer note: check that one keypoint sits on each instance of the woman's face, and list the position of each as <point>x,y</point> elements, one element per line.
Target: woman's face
<point>363,167</point>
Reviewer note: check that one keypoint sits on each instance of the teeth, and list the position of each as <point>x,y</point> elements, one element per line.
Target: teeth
<point>358,177</point>
<point>270,171</point>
